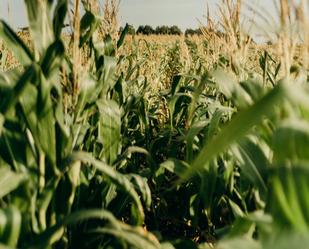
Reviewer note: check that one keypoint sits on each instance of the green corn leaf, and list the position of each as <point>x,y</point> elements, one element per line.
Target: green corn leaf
<point>184,244</point>
<point>125,157</point>
<point>2,246</point>
<point>216,119</point>
<point>13,146</point>
<point>142,187</point>
<point>110,129</point>
<point>37,109</point>
<point>8,79</point>
<point>136,237</point>
<point>132,235</point>
<point>239,126</point>
<point>229,86</point>
<point>239,243</point>
<point>52,57</point>
<point>18,89</point>
<point>191,137</point>
<point>106,69</point>
<point>9,181</point>
<point>43,201</point>
<point>237,212</point>
<point>2,119</point>
<point>109,48</point>
<point>109,77</point>
<point>10,226</point>
<point>74,176</point>
<point>54,233</point>
<point>122,36</point>
<point>209,185</point>
<point>88,25</point>
<point>118,179</point>
<point>253,162</point>
<point>175,166</point>
<point>289,197</point>
<point>40,23</point>
<point>15,44</point>
<point>87,94</point>
<point>287,240</point>
<point>175,84</point>
<point>172,105</point>
<point>290,141</point>
<point>59,17</point>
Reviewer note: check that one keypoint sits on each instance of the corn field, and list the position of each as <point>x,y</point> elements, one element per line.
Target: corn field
<point>109,140</point>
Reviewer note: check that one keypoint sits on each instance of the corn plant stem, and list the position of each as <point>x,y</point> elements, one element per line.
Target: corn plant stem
<point>76,50</point>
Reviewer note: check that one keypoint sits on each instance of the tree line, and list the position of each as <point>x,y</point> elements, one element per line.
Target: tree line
<point>161,30</point>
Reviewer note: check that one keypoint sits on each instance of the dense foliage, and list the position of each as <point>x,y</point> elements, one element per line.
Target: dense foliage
<point>92,155</point>
<point>159,30</point>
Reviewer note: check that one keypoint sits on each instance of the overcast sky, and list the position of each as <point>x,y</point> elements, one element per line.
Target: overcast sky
<point>183,13</point>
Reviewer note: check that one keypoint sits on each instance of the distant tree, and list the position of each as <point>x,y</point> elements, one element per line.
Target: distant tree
<point>148,30</point>
<point>145,30</point>
<point>175,30</point>
<point>190,32</point>
<point>159,30</point>
<point>140,29</point>
<point>162,30</point>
